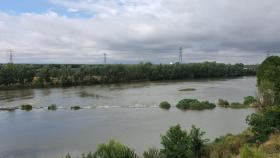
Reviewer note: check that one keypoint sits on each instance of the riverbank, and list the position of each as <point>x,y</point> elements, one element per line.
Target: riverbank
<point>27,87</point>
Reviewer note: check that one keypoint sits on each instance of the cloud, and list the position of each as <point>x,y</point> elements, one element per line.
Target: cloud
<point>73,10</point>
<point>130,31</point>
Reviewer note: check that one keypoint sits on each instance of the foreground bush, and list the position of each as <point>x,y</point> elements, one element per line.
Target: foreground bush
<point>272,146</point>
<point>26,107</point>
<point>229,145</point>
<point>251,152</point>
<point>164,105</point>
<point>111,150</point>
<point>265,122</point>
<point>114,150</point>
<point>194,104</point>
<point>152,153</point>
<point>177,143</point>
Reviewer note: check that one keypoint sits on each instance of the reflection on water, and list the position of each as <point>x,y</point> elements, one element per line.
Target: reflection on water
<point>84,93</point>
<point>12,95</point>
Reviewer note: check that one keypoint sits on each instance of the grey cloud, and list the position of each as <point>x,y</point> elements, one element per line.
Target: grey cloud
<point>133,31</point>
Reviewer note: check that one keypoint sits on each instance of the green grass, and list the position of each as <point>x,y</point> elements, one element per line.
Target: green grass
<point>236,105</point>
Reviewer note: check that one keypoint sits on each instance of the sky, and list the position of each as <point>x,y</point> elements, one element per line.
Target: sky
<point>133,31</point>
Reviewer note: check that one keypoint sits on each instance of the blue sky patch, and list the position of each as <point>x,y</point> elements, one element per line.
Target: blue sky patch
<point>16,7</point>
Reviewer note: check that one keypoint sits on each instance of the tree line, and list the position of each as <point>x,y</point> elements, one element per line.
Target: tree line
<point>31,75</point>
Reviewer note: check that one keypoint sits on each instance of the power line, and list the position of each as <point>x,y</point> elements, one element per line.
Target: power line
<point>180,54</point>
<point>11,56</point>
<point>105,58</point>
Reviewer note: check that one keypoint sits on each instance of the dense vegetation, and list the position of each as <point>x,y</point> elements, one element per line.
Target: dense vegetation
<point>194,104</point>
<point>25,75</point>
<point>268,80</point>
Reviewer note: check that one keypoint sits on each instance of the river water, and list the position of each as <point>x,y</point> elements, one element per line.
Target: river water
<point>124,112</point>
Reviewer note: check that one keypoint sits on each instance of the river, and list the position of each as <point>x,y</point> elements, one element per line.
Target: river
<point>124,112</point>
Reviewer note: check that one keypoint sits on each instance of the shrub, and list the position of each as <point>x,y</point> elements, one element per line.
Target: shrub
<point>152,153</point>
<point>114,150</point>
<point>197,141</point>
<point>164,105</point>
<point>249,100</point>
<point>177,143</point>
<point>89,155</point>
<point>206,105</point>
<point>223,103</point>
<point>265,122</point>
<point>52,107</point>
<point>26,107</point>
<point>186,103</point>
<point>251,152</point>
<point>75,108</point>
<point>194,104</point>
<point>229,145</point>
<point>272,145</point>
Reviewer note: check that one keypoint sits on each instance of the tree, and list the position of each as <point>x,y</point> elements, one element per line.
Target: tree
<point>176,143</point>
<point>265,122</point>
<point>268,79</point>
<point>249,100</point>
<point>8,74</point>
<point>197,141</point>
